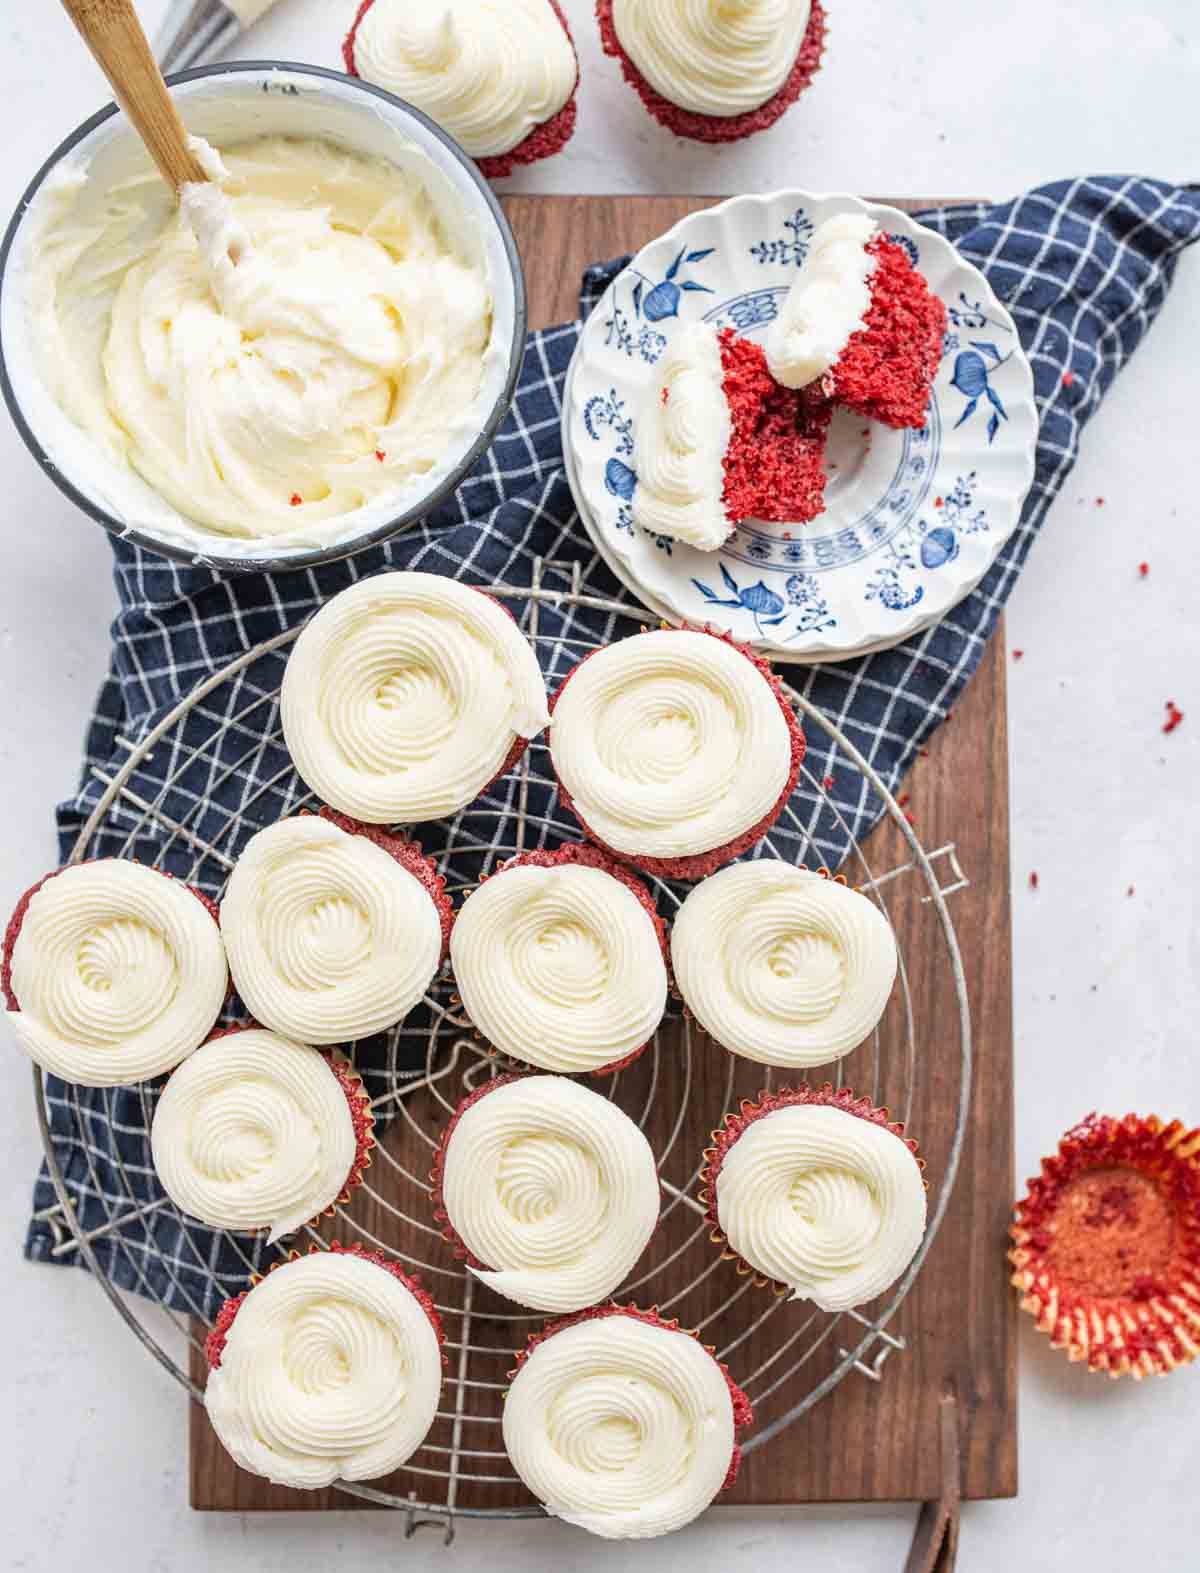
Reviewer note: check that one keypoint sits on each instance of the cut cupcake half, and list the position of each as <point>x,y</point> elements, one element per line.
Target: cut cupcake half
<point>715,73</point>
<point>501,76</point>
<point>718,440</point>
<point>860,325</point>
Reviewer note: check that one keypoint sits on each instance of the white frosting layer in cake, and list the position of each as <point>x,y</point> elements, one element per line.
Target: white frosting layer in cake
<point>826,305</point>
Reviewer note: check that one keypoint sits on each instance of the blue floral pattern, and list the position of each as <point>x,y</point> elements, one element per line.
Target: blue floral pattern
<point>632,331</point>
<point>793,248</point>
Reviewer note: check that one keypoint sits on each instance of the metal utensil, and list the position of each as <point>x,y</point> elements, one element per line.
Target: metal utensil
<point>196,30</point>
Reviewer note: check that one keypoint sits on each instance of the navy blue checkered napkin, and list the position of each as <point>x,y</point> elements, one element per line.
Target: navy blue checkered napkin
<point>1083,265</point>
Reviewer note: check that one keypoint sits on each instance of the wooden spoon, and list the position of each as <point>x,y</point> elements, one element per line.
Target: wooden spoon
<point>114,35</point>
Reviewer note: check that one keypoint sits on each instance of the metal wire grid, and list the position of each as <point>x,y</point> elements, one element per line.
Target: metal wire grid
<point>429,1065</point>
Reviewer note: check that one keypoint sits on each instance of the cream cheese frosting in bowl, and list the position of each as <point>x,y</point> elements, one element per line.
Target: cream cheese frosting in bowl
<point>315,398</point>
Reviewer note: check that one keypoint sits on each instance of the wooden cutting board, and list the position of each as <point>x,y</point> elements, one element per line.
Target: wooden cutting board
<point>867,1440</point>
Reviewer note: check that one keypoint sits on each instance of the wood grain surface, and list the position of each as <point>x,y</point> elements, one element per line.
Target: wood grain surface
<point>867,1440</point>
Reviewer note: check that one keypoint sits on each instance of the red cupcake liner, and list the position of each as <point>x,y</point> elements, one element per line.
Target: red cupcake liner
<point>743,1412</point>
<point>593,856</point>
<point>775,458</point>
<point>410,858</point>
<point>214,1344</point>
<point>750,1110</point>
<point>887,369</point>
<point>22,907</point>
<point>1106,1245</point>
<point>717,128</point>
<point>542,142</point>
<point>699,864</point>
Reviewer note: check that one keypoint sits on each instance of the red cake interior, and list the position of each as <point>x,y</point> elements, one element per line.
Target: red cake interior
<point>887,369</point>
<point>775,461</point>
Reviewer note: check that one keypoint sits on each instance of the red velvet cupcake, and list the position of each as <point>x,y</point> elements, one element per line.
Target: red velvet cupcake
<point>860,325</point>
<point>1107,1245</point>
<point>328,1368</point>
<point>598,1399</point>
<point>501,79</point>
<point>675,749</point>
<point>254,1132</point>
<point>719,84</point>
<point>561,961</point>
<point>112,971</point>
<point>816,1192</point>
<point>334,929</point>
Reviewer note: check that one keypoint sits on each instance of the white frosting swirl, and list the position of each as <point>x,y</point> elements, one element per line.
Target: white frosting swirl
<point>119,973</point>
<point>620,1427</point>
<point>713,57</point>
<point>404,695</point>
<point>488,71</point>
<point>253,1131</point>
<point>331,1370</point>
<point>671,743</point>
<point>682,434</point>
<point>325,372</point>
<point>826,305</point>
<point>554,1188</point>
<point>781,965</point>
<point>824,1201</point>
<point>559,967</point>
<point>329,938</point>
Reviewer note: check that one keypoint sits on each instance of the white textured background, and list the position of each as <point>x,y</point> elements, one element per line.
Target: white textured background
<point>925,97</point>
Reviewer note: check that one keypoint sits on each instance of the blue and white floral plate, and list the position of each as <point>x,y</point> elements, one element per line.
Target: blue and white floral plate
<point>913,519</point>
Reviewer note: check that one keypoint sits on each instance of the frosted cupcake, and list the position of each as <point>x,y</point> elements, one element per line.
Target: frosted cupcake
<point>715,70</point>
<point>406,695</point>
<point>622,1423</point>
<point>256,1132</point>
<point>499,75</point>
<point>548,1191</point>
<point>112,972</point>
<point>818,1193</point>
<point>718,441</point>
<point>782,965</point>
<point>560,961</point>
<point>329,1368</point>
<point>860,325</point>
<point>334,930</point>
<point>675,749</point>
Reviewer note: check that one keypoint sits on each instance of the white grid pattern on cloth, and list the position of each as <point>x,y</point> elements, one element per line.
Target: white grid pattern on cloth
<point>1083,266</point>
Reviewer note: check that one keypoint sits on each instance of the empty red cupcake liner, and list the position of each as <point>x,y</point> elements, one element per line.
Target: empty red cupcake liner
<point>1106,1245</point>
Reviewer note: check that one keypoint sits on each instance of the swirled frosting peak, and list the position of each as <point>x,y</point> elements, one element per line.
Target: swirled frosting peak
<point>781,965</point>
<point>713,57</point>
<point>404,696</point>
<point>822,1200</point>
<point>118,972</point>
<point>253,1131</point>
<point>551,1186</point>
<point>670,743</point>
<point>329,937</point>
<point>826,305</point>
<point>682,433</point>
<point>331,1370</point>
<point>620,1426</point>
<point>488,71</point>
<point>559,967</point>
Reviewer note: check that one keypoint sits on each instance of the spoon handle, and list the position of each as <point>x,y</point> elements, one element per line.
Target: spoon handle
<point>114,35</point>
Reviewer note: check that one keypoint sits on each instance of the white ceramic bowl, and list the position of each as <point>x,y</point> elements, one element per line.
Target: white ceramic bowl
<point>913,519</point>
<point>224,104</point>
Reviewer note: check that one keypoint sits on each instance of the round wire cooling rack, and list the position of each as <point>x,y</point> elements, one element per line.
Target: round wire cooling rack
<point>214,770</point>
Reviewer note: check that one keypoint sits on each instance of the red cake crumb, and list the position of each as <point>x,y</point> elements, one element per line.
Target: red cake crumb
<point>719,128</point>
<point>1174,716</point>
<point>22,907</point>
<point>743,1413</point>
<point>214,1344</point>
<point>887,369</point>
<point>1107,1245</point>
<point>775,459</point>
<point>543,141</point>
<point>702,863</point>
<point>410,857</point>
<point>1143,570</point>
